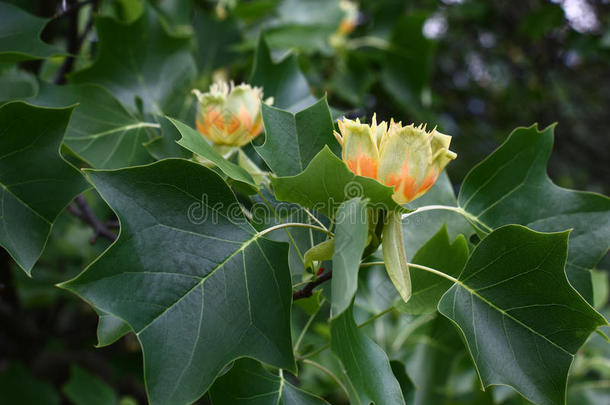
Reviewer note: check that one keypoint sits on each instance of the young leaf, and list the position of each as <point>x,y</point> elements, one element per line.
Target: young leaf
<point>366,365</point>
<point>194,141</point>
<point>293,140</point>
<point>522,320</point>
<point>36,183</point>
<point>394,255</point>
<point>438,253</point>
<point>350,240</point>
<point>511,187</point>
<point>190,276</point>
<point>140,60</point>
<point>248,383</point>
<point>292,91</point>
<point>106,138</point>
<point>321,252</point>
<point>20,36</point>
<point>327,182</point>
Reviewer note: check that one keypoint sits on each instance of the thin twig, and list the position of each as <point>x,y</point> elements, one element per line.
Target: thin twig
<point>65,9</point>
<point>85,213</point>
<point>307,291</point>
<point>75,41</point>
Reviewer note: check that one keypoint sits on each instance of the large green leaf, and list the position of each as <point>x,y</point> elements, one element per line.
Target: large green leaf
<point>522,320</point>
<point>140,63</point>
<point>365,364</point>
<point>440,254</point>
<point>292,140</point>
<point>511,186</point>
<point>327,182</point>
<point>195,142</point>
<point>248,383</point>
<point>101,130</point>
<point>190,276</point>
<point>35,182</point>
<point>20,36</point>
<point>351,232</point>
<point>282,80</point>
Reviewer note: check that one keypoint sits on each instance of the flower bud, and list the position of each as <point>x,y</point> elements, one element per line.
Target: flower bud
<point>359,147</point>
<point>229,114</point>
<point>408,158</point>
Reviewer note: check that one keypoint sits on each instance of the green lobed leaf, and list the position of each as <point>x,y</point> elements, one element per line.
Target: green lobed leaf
<point>166,145</point>
<point>84,388</point>
<point>249,383</point>
<point>351,231</point>
<point>281,80</point>
<point>190,276</point>
<point>511,186</point>
<point>194,141</point>
<point>36,183</point>
<point>141,63</point>
<point>327,182</point>
<point>20,36</point>
<point>365,364</point>
<point>522,320</point>
<point>102,132</point>
<point>440,254</point>
<point>293,140</point>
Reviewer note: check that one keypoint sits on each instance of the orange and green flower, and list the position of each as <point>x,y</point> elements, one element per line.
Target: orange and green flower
<point>408,158</point>
<point>230,115</point>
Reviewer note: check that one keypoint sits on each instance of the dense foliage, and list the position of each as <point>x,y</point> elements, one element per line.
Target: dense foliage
<point>328,260</point>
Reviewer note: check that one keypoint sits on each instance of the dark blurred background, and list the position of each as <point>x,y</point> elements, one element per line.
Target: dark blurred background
<point>476,69</point>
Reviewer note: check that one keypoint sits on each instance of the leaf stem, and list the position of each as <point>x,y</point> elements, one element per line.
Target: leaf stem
<point>326,346</point>
<point>312,216</point>
<point>416,266</point>
<point>328,372</point>
<point>295,225</point>
<point>474,220</point>
<point>306,327</point>
<point>294,243</point>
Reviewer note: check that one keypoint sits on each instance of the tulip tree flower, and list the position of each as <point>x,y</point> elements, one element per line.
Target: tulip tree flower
<point>230,115</point>
<point>408,158</point>
<point>350,19</point>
